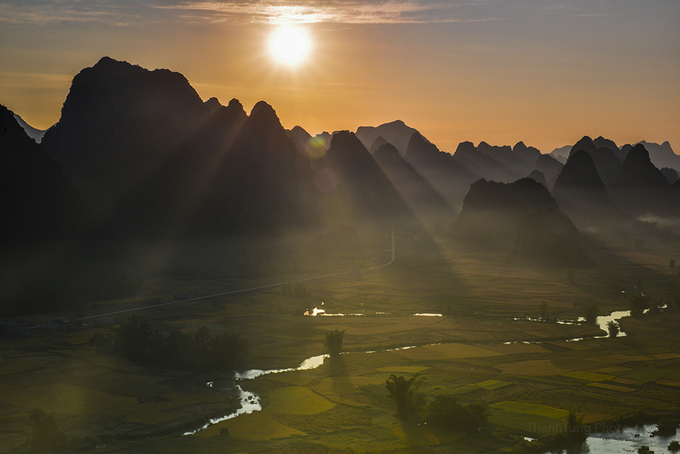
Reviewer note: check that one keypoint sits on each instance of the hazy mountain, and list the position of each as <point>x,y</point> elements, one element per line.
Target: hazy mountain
<point>549,238</point>
<point>538,176</point>
<point>561,154</point>
<point>662,155</point>
<point>506,156</point>
<point>396,133</point>
<point>638,171</point>
<point>377,143</point>
<point>640,187</point>
<point>444,172</point>
<point>670,174</point>
<point>528,154</point>
<point>411,186</point>
<point>491,211</point>
<point>550,167</point>
<point>601,142</point>
<point>356,184</point>
<point>306,144</point>
<point>33,133</point>
<point>606,162</point>
<point>581,193</point>
<point>482,164</point>
<point>38,202</point>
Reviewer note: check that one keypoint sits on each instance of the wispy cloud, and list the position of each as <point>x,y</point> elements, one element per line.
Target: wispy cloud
<point>45,12</point>
<point>330,11</point>
<point>124,12</point>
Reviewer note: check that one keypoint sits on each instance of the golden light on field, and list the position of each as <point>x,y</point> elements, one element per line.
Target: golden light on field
<point>289,45</point>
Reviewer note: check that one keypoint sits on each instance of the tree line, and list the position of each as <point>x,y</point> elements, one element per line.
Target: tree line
<point>137,341</point>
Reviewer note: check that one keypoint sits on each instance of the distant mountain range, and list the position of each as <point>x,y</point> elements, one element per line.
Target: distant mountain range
<point>137,153</point>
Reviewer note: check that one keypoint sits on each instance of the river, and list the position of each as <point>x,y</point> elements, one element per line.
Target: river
<point>611,441</point>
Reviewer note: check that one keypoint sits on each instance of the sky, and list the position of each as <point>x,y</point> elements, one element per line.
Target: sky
<point>546,72</point>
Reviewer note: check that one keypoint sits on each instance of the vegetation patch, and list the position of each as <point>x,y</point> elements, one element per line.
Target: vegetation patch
<point>646,374</point>
<point>538,368</point>
<point>492,385</point>
<point>589,376</point>
<point>150,417</point>
<point>611,387</point>
<point>402,369</point>
<point>298,400</point>
<point>258,425</point>
<point>454,351</point>
<point>531,409</point>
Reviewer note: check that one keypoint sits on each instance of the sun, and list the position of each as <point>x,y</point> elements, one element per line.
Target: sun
<point>289,45</point>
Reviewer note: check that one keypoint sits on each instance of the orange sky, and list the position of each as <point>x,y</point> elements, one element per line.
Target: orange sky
<point>493,70</point>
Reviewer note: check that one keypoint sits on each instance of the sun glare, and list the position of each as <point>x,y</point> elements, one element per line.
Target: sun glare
<point>289,45</point>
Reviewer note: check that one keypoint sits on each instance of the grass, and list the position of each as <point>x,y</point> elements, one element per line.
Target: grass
<point>532,409</point>
<point>298,400</point>
<point>589,376</point>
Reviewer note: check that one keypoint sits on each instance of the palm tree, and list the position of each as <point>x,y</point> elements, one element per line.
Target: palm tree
<point>403,391</point>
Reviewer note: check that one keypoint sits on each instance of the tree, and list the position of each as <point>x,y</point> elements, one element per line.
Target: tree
<point>590,313</point>
<point>613,328</point>
<point>333,342</point>
<point>674,446</point>
<point>403,392</point>
<point>645,450</point>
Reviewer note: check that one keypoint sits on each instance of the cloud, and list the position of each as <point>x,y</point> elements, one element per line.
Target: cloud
<point>125,12</point>
<point>45,12</point>
<point>329,11</point>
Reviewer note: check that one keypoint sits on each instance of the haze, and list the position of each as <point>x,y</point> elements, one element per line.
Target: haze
<point>501,71</point>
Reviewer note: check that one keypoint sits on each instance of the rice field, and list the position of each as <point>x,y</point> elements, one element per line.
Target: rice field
<point>343,405</point>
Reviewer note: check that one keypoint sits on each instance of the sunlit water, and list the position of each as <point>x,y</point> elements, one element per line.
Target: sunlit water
<point>627,440</point>
<point>599,443</point>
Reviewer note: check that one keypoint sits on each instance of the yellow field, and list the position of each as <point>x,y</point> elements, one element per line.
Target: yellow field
<point>590,376</point>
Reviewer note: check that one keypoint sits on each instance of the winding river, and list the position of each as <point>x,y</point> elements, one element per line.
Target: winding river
<point>250,402</point>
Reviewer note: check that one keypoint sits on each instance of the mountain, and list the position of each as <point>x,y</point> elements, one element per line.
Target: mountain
<point>152,159</point>
<point>561,154</point>
<point>38,203</point>
<point>549,238</point>
<point>581,193</point>
<point>306,144</point>
<point>355,186</point>
<point>119,124</point>
<point>507,157</point>
<point>491,211</point>
<point>550,167</point>
<point>396,133</point>
<point>601,142</point>
<point>640,187</point>
<point>662,155</point>
<point>670,174</point>
<point>445,173</point>
<point>606,161</point>
<point>482,164</point>
<point>411,186</point>
<point>528,154</point>
<point>33,133</point>
<point>377,143</point>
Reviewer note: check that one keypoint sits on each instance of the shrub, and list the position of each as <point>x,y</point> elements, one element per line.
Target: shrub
<point>445,411</point>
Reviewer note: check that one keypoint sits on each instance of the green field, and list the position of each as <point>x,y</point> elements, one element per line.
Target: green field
<point>342,406</point>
